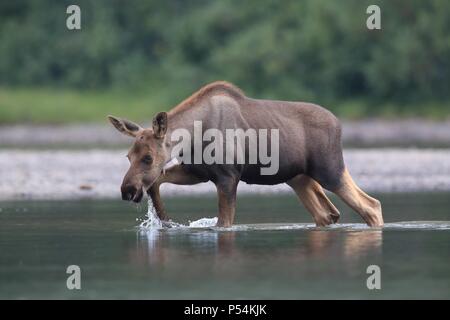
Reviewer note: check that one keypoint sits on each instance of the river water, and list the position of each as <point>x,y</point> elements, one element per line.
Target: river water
<point>273,252</point>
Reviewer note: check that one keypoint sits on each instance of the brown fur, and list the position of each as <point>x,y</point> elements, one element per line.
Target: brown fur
<point>207,91</point>
<point>310,153</point>
<point>315,200</point>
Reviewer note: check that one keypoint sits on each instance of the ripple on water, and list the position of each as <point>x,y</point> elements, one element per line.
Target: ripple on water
<point>152,222</point>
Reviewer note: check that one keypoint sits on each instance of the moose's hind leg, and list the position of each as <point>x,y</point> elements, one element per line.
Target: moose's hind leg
<point>368,208</point>
<point>314,199</point>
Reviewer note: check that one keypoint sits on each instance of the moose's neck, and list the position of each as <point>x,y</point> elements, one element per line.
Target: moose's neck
<point>185,117</point>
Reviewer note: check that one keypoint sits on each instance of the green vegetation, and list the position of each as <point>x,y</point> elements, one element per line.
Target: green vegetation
<point>62,106</point>
<point>137,57</point>
<point>58,106</point>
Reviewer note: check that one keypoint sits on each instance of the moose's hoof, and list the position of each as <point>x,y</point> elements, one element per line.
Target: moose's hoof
<point>326,220</point>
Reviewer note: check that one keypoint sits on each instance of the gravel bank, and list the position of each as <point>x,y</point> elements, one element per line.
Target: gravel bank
<point>366,133</point>
<point>27,174</point>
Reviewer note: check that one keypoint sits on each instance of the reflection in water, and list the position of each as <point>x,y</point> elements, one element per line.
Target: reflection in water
<point>358,243</point>
<point>156,247</point>
<point>148,250</point>
<point>351,244</point>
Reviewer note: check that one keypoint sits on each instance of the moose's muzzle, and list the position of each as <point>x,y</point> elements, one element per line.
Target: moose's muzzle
<point>131,193</point>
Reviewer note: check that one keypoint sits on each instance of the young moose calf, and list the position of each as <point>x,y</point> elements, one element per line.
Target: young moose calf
<point>309,145</point>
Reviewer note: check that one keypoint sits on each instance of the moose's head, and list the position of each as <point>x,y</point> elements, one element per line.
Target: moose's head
<point>148,155</point>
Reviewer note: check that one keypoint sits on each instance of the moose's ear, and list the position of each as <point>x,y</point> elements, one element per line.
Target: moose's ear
<point>160,124</point>
<point>126,127</point>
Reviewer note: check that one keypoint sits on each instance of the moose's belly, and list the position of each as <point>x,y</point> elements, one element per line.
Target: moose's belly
<point>254,174</point>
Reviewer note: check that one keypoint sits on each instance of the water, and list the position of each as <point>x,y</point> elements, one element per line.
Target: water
<point>151,222</point>
<point>272,252</point>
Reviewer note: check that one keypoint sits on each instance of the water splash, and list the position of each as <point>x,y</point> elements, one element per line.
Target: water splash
<point>151,220</point>
<point>203,223</point>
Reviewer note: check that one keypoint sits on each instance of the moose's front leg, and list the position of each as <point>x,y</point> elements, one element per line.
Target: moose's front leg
<point>226,192</point>
<point>153,192</point>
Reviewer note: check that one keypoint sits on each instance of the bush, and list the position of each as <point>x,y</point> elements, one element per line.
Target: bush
<point>310,50</point>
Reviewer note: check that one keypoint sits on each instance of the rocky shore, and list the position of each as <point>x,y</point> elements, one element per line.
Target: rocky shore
<point>97,173</point>
<point>362,133</point>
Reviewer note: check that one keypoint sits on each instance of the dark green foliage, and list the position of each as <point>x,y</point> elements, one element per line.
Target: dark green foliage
<point>315,50</point>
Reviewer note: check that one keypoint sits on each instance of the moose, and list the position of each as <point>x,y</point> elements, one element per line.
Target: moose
<point>310,154</point>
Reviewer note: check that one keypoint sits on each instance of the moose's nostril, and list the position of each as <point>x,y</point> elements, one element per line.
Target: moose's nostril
<point>128,192</point>
<point>126,196</point>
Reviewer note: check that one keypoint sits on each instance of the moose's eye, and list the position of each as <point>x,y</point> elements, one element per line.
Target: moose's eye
<point>147,159</point>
